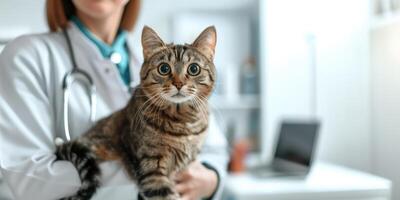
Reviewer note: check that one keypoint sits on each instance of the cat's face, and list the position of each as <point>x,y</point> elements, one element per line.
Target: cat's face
<point>178,73</point>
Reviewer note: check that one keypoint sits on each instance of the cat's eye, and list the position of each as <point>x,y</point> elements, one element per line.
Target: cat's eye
<point>164,69</point>
<point>193,69</point>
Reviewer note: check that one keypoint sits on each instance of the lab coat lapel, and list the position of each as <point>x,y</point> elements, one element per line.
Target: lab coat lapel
<point>110,87</point>
<point>134,64</point>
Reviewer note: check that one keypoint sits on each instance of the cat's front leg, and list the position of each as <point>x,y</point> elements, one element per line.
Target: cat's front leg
<point>154,180</point>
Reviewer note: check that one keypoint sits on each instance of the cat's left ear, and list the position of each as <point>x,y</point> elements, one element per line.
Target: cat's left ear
<point>206,42</point>
<point>151,42</point>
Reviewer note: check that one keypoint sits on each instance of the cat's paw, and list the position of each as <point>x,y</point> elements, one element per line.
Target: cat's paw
<point>169,197</point>
<point>174,196</point>
<point>160,194</point>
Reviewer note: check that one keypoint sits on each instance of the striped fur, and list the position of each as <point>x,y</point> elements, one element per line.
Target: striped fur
<point>85,162</point>
<point>157,133</point>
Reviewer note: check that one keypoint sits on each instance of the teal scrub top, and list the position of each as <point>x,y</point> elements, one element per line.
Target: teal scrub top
<point>118,46</point>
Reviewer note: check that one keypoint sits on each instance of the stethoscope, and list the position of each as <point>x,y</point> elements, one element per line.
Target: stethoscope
<point>73,77</point>
<point>70,78</point>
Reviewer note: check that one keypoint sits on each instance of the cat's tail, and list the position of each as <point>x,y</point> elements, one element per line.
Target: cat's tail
<point>85,162</point>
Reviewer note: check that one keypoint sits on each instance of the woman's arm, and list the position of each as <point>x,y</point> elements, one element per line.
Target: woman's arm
<point>27,127</point>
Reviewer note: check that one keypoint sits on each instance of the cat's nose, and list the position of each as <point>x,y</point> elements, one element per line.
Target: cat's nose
<point>178,84</point>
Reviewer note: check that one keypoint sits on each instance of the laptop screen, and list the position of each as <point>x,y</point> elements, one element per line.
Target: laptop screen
<point>297,141</point>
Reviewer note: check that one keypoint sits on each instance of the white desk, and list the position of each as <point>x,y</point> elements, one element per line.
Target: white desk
<point>325,182</point>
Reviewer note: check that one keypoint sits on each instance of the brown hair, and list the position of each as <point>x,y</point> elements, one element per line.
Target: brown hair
<point>59,11</point>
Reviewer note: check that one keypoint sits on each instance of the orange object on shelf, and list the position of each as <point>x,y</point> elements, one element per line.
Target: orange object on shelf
<point>237,163</point>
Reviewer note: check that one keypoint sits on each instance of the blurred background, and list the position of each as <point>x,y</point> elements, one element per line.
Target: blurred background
<point>335,61</point>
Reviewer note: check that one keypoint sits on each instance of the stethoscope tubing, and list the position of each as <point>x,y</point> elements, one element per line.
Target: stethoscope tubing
<point>71,78</point>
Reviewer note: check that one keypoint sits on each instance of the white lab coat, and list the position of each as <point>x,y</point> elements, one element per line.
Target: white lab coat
<point>31,72</point>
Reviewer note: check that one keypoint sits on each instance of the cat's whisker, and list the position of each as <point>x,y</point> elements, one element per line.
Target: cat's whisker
<point>139,120</point>
<point>150,106</point>
<point>144,87</point>
<point>162,103</point>
<point>141,95</point>
<point>204,102</point>
<point>157,108</point>
<point>218,113</point>
<point>199,106</point>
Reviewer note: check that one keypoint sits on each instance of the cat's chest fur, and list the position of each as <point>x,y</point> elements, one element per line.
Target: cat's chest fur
<point>174,131</point>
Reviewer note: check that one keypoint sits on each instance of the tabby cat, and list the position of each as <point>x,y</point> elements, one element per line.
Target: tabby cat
<point>161,129</point>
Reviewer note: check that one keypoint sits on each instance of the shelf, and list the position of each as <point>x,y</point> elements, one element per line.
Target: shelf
<point>241,102</point>
<point>385,19</point>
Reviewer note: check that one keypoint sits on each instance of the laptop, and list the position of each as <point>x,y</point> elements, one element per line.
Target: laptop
<point>294,150</point>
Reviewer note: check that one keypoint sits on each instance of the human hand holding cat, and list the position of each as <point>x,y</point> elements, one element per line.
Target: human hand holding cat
<point>196,182</point>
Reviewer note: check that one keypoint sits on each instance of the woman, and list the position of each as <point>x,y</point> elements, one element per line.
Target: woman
<point>32,69</point>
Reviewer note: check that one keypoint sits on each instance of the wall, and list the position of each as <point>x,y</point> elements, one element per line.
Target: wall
<point>340,30</point>
<point>385,62</point>
<point>344,82</point>
<point>158,14</point>
<point>21,13</point>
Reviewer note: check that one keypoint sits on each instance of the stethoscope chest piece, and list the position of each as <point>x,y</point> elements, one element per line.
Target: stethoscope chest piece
<point>116,57</point>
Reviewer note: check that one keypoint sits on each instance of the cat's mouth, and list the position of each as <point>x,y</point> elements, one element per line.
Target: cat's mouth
<point>178,98</point>
<point>178,95</point>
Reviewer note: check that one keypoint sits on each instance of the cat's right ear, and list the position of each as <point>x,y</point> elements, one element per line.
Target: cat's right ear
<point>206,42</point>
<point>151,42</point>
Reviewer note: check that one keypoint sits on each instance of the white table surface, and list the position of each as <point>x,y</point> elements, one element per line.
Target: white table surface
<point>325,181</point>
